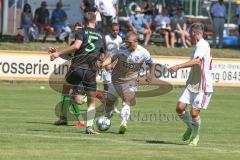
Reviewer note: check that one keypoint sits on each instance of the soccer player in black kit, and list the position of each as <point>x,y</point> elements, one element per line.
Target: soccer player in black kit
<point>89,48</point>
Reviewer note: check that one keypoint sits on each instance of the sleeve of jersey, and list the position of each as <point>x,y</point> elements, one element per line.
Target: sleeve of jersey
<point>79,35</point>
<point>148,58</point>
<point>199,52</point>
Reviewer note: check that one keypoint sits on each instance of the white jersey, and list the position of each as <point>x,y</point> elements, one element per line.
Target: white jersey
<point>112,43</point>
<point>129,63</point>
<point>200,78</point>
<point>107,7</point>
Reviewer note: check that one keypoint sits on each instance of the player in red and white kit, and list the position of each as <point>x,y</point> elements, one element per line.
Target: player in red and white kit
<point>199,86</point>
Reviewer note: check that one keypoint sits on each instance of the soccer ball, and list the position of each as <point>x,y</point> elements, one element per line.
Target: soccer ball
<point>103,124</point>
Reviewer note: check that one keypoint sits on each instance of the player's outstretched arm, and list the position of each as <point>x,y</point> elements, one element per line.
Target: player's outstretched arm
<point>55,54</point>
<point>192,62</point>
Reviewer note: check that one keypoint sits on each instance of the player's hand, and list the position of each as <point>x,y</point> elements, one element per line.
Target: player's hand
<point>54,55</point>
<point>52,50</point>
<point>173,69</point>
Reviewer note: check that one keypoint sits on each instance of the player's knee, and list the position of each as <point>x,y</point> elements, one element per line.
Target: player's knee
<point>180,108</point>
<point>79,100</point>
<point>194,113</point>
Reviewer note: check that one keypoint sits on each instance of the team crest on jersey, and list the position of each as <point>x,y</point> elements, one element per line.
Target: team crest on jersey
<point>137,58</point>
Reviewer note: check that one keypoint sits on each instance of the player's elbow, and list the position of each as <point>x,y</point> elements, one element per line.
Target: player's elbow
<point>197,61</point>
<point>75,47</point>
<point>79,100</point>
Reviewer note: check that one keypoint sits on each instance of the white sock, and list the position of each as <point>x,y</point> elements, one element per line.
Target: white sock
<point>90,116</point>
<point>187,119</point>
<point>196,123</point>
<point>125,113</point>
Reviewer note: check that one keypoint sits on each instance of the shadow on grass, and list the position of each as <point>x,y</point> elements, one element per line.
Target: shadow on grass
<point>49,123</point>
<point>163,142</point>
<point>159,142</point>
<point>108,132</point>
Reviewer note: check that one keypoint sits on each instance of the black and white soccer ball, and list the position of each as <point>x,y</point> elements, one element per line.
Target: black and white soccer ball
<point>103,123</point>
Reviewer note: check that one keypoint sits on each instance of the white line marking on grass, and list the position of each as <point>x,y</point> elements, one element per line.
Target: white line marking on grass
<point>118,141</point>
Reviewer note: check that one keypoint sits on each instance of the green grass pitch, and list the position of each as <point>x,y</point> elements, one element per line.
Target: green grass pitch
<point>27,130</point>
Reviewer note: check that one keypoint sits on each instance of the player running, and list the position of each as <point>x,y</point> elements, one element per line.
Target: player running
<point>199,87</point>
<point>130,57</point>
<point>113,41</point>
<point>88,47</point>
<point>68,101</point>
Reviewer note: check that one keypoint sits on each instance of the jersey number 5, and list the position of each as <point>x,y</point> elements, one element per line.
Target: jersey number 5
<point>91,46</point>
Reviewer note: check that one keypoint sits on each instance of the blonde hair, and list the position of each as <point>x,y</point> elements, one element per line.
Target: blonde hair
<point>197,28</point>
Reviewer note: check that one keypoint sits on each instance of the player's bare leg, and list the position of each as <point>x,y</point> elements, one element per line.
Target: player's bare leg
<point>185,116</point>
<point>196,122</point>
<point>111,102</point>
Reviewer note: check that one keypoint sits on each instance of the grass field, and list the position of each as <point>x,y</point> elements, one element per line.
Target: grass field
<point>27,130</point>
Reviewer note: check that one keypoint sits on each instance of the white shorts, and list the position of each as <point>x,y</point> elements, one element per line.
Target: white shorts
<point>107,77</point>
<point>121,90</point>
<point>196,100</point>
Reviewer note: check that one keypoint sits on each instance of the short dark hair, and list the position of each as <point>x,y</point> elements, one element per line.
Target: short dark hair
<point>43,3</point>
<point>27,6</point>
<point>132,34</point>
<point>89,17</point>
<point>115,24</point>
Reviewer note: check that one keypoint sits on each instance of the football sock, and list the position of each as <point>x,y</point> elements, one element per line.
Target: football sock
<point>125,113</point>
<point>187,119</point>
<point>76,110</point>
<point>196,123</point>
<point>90,116</point>
<point>65,103</point>
<point>106,87</point>
<point>100,96</point>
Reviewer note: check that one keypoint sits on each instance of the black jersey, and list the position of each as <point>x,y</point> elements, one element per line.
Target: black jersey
<point>93,44</point>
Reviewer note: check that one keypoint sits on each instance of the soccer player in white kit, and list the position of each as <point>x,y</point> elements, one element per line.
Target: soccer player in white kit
<point>130,57</point>
<point>113,41</point>
<point>199,87</point>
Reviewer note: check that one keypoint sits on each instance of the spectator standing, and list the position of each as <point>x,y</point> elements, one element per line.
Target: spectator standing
<point>148,10</point>
<point>27,23</point>
<point>41,19</point>
<point>238,16</point>
<point>162,25</point>
<point>90,6</point>
<point>218,13</point>
<point>58,20</point>
<point>108,10</point>
<point>173,10</point>
<point>140,25</point>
